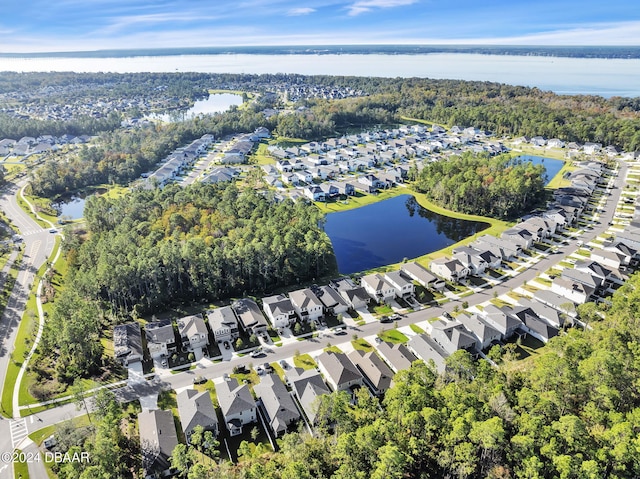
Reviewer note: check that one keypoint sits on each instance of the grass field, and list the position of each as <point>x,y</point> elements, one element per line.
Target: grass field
<point>361,345</point>
<point>393,336</point>
<point>304,361</point>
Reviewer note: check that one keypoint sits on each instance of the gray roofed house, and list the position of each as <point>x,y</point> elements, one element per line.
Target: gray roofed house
<point>428,350</point>
<point>377,287</point>
<point>161,338</point>
<point>533,324</point>
<point>401,282</point>
<point>582,277</point>
<point>452,336</point>
<point>397,356</point>
<point>354,295</point>
<point>223,323</point>
<point>237,405</point>
<point>503,247</point>
<point>127,343</point>
<point>484,333</point>
<point>193,332</point>
<point>279,405</point>
<point>552,316</point>
<point>308,386</point>
<point>423,276</point>
<point>331,299</point>
<point>279,310</point>
<point>376,373</point>
<point>249,315</point>
<point>574,291</point>
<point>499,319</point>
<point>306,304</point>
<point>449,269</point>
<point>339,372</point>
<point>158,438</point>
<point>555,301</point>
<point>196,409</point>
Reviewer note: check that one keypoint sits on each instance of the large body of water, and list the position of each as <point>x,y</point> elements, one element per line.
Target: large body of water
<point>552,166</point>
<point>596,76</point>
<point>391,230</point>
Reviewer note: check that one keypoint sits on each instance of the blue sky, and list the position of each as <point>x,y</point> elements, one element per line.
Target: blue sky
<point>72,25</point>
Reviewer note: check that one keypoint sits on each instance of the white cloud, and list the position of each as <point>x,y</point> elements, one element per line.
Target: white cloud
<point>363,6</point>
<point>295,12</point>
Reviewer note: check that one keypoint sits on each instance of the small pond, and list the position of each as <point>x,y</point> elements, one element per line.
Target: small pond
<point>391,230</point>
<point>552,166</point>
<point>72,208</point>
<point>215,103</point>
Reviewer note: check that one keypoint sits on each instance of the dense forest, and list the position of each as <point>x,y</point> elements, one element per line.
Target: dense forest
<point>203,242</point>
<point>499,187</point>
<point>570,411</point>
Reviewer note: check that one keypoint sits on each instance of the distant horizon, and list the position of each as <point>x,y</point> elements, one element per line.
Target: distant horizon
<point>38,26</point>
<point>603,51</point>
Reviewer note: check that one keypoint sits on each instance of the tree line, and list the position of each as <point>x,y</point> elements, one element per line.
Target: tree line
<point>478,184</point>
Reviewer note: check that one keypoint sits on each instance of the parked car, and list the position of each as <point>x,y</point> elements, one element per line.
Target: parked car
<point>226,345</point>
<point>284,364</point>
<point>256,353</point>
<point>260,370</point>
<point>199,380</point>
<point>386,319</point>
<point>341,331</point>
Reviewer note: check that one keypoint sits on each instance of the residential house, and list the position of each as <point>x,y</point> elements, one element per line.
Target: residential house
<point>470,259</point>
<point>426,349</point>
<point>307,386</point>
<point>355,296</point>
<point>193,332</point>
<point>161,338</point>
<point>452,336</point>
<point>281,411</point>
<point>501,320</point>
<point>377,375</point>
<point>331,300</point>
<point>377,287</point>
<point>279,310</point>
<point>223,323</point>
<point>572,290</point>
<point>423,276</point>
<point>304,175</point>
<point>449,269</point>
<point>127,343</point>
<point>626,252</point>
<point>344,188</point>
<point>401,282</point>
<point>558,216</point>
<point>314,193</point>
<point>306,304</point>
<point>555,301</point>
<point>551,315</point>
<point>607,258</point>
<point>158,438</point>
<point>519,236</point>
<point>485,334</point>
<point>339,372</point>
<point>196,409</point>
<point>507,250</point>
<point>533,324</point>
<point>397,356</point>
<point>237,405</point>
<point>249,315</point>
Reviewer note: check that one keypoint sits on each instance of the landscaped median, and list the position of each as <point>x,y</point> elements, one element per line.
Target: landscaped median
<point>24,340</point>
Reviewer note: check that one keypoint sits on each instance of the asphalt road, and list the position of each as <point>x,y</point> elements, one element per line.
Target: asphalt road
<point>38,244</point>
<point>184,379</point>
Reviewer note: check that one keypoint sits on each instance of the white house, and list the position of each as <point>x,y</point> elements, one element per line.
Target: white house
<point>237,405</point>
<point>193,332</point>
<point>306,304</point>
<point>223,323</point>
<point>401,282</point>
<point>377,287</point>
<point>279,310</point>
<point>449,269</point>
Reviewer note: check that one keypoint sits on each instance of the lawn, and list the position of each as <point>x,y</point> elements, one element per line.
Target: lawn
<point>416,329</point>
<point>361,345</point>
<point>381,309</point>
<point>332,348</point>
<point>304,361</point>
<point>393,336</point>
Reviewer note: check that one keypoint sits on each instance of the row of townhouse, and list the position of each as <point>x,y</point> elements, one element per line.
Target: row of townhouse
<point>179,161</point>
<point>487,252</point>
